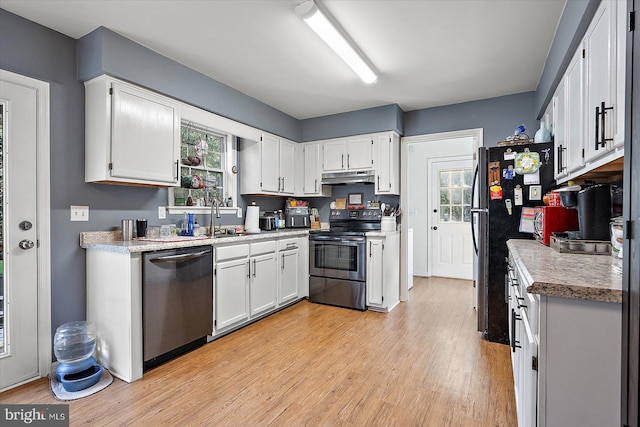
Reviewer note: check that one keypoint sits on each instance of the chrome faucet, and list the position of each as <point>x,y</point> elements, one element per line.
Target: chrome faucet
<point>215,213</point>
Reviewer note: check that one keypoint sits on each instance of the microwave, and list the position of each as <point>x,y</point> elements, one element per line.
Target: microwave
<point>551,219</point>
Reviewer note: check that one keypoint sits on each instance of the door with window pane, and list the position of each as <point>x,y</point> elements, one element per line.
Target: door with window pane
<point>450,207</point>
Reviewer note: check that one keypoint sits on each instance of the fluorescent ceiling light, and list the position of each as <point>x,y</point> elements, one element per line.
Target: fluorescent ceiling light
<point>312,15</point>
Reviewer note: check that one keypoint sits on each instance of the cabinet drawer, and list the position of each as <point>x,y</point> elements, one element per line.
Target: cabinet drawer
<point>232,252</point>
<point>262,247</point>
<point>288,244</point>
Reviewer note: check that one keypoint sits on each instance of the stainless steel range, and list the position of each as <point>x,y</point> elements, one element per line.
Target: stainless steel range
<point>337,258</point>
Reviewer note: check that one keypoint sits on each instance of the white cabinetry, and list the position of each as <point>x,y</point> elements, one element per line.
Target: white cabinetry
<point>114,306</point>
<point>267,166</point>
<point>354,153</point>
<point>594,85</point>
<point>383,270</point>
<point>231,285</point>
<point>289,281</point>
<point>387,164</point>
<point>600,61</point>
<point>132,135</point>
<point>574,114</point>
<point>263,281</point>
<point>559,103</point>
<point>313,171</point>
<point>566,356</point>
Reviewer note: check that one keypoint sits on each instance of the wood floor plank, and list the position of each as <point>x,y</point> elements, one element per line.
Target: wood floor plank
<point>423,364</point>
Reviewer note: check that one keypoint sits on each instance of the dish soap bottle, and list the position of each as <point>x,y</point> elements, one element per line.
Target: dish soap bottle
<point>281,221</point>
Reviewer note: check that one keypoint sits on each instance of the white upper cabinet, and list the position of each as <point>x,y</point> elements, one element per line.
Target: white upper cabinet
<point>594,86</point>
<point>599,48</point>
<point>132,135</point>
<point>354,153</point>
<point>559,138</point>
<point>313,171</point>
<point>387,164</point>
<point>574,116</point>
<point>267,166</point>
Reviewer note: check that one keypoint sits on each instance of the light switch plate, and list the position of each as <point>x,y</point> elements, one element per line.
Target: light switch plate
<point>162,212</point>
<point>79,213</point>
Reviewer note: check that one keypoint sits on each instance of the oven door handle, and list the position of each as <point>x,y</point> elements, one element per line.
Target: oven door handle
<point>327,238</point>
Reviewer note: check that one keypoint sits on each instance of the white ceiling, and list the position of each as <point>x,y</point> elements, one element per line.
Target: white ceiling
<point>426,52</point>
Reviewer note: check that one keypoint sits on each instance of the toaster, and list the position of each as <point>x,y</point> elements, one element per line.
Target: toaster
<point>267,223</point>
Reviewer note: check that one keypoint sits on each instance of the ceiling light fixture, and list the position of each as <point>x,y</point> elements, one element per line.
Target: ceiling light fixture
<point>314,17</point>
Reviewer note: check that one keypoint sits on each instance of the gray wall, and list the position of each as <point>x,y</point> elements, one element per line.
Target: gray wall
<point>498,116</point>
<point>370,120</point>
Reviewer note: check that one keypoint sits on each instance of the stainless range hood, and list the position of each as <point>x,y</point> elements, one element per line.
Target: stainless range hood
<point>350,177</point>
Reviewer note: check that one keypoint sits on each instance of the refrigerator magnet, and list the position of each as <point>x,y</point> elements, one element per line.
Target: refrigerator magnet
<point>508,172</point>
<point>517,196</point>
<point>494,173</point>
<point>532,178</point>
<point>509,155</point>
<point>495,192</point>
<point>535,192</point>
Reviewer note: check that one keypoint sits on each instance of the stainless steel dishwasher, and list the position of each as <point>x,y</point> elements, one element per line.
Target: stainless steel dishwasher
<point>177,302</point>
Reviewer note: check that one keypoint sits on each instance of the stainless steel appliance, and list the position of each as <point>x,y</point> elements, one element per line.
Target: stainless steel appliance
<point>267,222</point>
<point>297,217</point>
<point>337,258</point>
<point>495,221</point>
<point>177,302</point>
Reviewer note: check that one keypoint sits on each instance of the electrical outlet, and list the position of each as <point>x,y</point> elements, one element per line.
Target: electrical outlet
<point>79,213</point>
<point>162,212</point>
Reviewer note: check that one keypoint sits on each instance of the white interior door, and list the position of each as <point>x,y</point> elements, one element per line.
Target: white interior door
<point>450,213</point>
<point>19,288</point>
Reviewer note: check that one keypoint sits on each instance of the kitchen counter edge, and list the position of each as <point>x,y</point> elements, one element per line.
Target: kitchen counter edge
<point>551,273</point>
<point>134,246</point>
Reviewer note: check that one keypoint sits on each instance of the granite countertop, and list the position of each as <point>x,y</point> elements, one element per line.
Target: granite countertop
<point>112,240</point>
<point>549,272</point>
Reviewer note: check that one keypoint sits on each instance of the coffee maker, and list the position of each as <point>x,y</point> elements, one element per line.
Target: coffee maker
<point>594,212</point>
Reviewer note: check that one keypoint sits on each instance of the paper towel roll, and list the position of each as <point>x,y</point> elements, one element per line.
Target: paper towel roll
<point>251,219</point>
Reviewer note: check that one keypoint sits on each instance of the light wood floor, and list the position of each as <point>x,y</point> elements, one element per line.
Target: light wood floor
<point>310,364</point>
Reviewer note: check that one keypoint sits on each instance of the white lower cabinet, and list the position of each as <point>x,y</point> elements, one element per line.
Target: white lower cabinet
<point>383,270</point>
<point>264,277</point>
<point>231,285</point>
<point>566,356</point>
<point>256,278</point>
<point>289,262</point>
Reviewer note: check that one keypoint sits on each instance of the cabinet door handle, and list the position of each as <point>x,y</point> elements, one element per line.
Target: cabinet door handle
<point>343,161</point>
<point>282,267</point>
<point>370,243</point>
<point>254,268</point>
<point>282,183</point>
<point>315,185</point>
<point>378,182</point>
<point>249,268</point>
<point>559,168</point>
<point>348,161</point>
<point>177,170</point>
<point>597,127</point>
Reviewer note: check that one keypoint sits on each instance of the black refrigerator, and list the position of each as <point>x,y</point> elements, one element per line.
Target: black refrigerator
<point>502,187</point>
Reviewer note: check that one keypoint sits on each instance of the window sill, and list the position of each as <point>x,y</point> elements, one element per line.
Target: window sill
<point>181,210</point>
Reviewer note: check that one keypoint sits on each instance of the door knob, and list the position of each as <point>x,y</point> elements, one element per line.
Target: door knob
<point>26,244</point>
<point>434,227</point>
<point>25,225</point>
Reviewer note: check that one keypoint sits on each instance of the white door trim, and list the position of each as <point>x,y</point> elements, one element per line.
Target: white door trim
<point>43,215</point>
<point>477,134</point>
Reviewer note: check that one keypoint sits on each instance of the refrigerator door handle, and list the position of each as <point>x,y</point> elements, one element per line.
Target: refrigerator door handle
<point>475,210</point>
